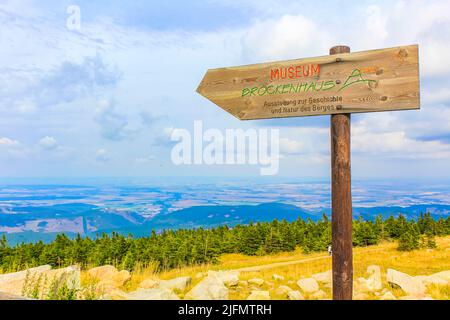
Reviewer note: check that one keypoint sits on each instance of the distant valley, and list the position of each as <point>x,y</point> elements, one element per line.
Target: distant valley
<point>30,213</point>
<point>43,223</point>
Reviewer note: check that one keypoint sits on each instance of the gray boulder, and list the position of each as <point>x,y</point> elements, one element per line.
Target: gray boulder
<point>295,295</point>
<point>256,281</point>
<point>210,288</point>
<point>440,278</point>
<point>13,283</point>
<point>44,278</point>
<point>8,296</point>
<point>324,277</point>
<point>412,286</point>
<point>152,294</point>
<point>228,278</point>
<point>175,284</point>
<point>283,291</point>
<point>259,295</point>
<point>308,285</point>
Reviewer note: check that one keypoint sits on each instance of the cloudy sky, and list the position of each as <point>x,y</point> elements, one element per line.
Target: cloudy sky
<point>103,99</point>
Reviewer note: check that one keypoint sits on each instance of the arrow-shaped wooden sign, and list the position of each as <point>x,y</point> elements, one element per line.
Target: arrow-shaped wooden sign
<point>367,81</point>
<point>339,84</point>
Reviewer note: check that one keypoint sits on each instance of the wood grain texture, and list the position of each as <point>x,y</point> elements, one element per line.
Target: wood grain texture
<point>389,81</point>
<point>341,202</point>
<point>341,208</point>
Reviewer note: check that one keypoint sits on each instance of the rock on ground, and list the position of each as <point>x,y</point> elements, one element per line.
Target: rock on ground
<point>152,294</point>
<point>114,294</point>
<point>109,276</point>
<point>210,288</point>
<point>388,296</point>
<point>228,278</point>
<point>416,297</point>
<point>295,295</point>
<point>373,283</point>
<point>70,276</point>
<point>443,274</point>
<point>141,294</point>
<point>256,281</point>
<point>308,285</point>
<point>214,286</point>
<point>42,277</point>
<point>259,295</point>
<point>324,277</point>
<point>243,283</point>
<point>149,284</point>
<point>13,283</point>
<point>318,295</point>
<point>283,291</point>
<point>440,278</point>
<point>360,296</point>
<point>175,284</point>
<point>8,296</point>
<point>410,285</point>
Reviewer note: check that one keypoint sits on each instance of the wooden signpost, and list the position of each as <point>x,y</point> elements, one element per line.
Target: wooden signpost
<point>338,84</point>
<point>368,81</point>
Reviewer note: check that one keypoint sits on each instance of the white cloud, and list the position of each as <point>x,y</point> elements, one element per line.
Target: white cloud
<point>25,106</point>
<point>376,22</point>
<point>311,142</point>
<point>418,124</point>
<point>148,119</point>
<point>102,155</point>
<point>159,70</point>
<point>143,160</point>
<point>440,95</point>
<point>113,125</point>
<point>26,91</point>
<point>48,143</point>
<point>287,37</point>
<point>395,143</point>
<point>12,149</point>
<point>291,146</point>
<point>424,22</point>
<point>163,137</point>
<point>8,142</point>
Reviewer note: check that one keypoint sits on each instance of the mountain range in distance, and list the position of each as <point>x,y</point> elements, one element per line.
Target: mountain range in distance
<point>34,223</point>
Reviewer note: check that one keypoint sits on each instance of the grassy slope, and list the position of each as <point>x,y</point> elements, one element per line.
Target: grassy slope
<point>419,262</point>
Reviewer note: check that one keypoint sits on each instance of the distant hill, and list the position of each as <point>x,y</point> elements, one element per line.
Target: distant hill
<point>212,216</point>
<point>411,212</point>
<point>33,223</point>
<point>71,218</point>
<point>219,215</point>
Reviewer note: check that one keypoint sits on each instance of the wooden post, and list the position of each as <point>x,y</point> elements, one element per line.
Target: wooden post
<point>341,202</point>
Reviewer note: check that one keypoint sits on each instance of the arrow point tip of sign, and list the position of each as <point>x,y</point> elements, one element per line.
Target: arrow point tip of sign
<point>201,86</point>
<point>200,90</point>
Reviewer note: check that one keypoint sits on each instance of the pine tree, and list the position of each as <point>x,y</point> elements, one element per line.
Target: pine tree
<point>177,248</point>
<point>3,250</point>
<point>409,240</point>
<point>430,241</point>
<point>364,233</point>
<point>379,228</point>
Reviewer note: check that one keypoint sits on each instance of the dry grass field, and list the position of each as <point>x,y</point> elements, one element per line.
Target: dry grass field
<point>295,265</point>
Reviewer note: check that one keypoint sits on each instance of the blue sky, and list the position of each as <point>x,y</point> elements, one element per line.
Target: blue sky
<point>102,101</point>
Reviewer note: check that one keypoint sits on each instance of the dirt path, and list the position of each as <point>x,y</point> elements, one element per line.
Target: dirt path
<point>280,264</point>
<point>288,263</point>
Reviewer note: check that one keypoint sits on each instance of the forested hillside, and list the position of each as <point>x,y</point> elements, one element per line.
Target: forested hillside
<point>183,247</point>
